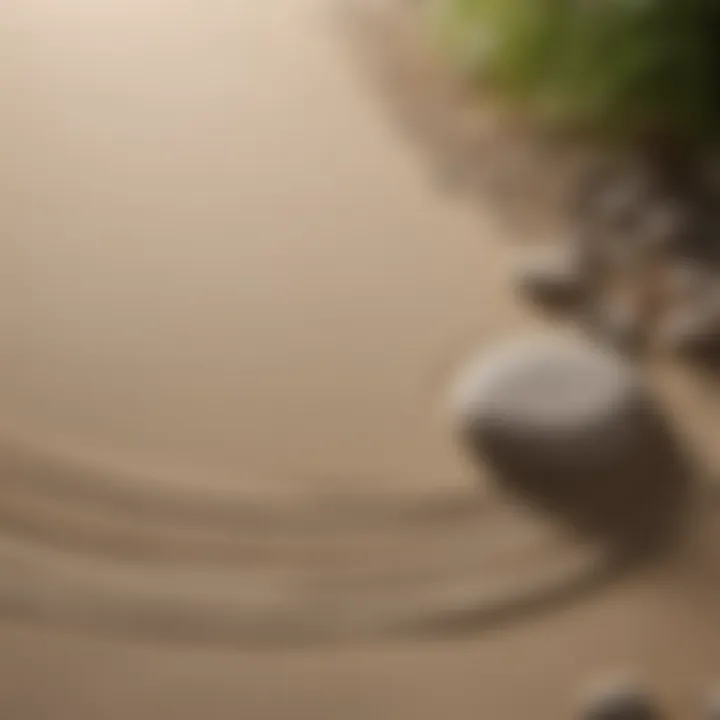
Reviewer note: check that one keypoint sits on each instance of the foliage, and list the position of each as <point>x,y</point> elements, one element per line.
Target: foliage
<point>628,67</point>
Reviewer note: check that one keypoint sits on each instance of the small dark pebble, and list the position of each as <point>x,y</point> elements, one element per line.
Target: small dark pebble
<point>622,704</point>
<point>553,279</point>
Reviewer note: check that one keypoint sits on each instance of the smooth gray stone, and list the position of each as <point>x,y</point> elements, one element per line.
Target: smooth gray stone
<point>572,428</point>
<point>559,402</point>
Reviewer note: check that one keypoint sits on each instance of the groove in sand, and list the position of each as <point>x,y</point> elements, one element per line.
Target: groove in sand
<point>86,552</point>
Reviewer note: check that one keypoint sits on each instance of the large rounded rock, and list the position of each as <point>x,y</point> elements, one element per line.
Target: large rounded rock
<point>572,428</point>
<point>552,404</point>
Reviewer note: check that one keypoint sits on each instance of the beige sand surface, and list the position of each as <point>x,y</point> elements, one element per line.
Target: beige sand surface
<point>533,670</point>
<point>220,263</point>
<point>223,268</point>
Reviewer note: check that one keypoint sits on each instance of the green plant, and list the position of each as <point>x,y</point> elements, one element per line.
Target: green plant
<point>625,67</point>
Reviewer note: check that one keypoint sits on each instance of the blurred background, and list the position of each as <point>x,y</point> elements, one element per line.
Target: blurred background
<point>238,275</point>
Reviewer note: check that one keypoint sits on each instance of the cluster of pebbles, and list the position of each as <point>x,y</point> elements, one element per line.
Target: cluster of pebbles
<point>640,269</point>
<point>641,266</point>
